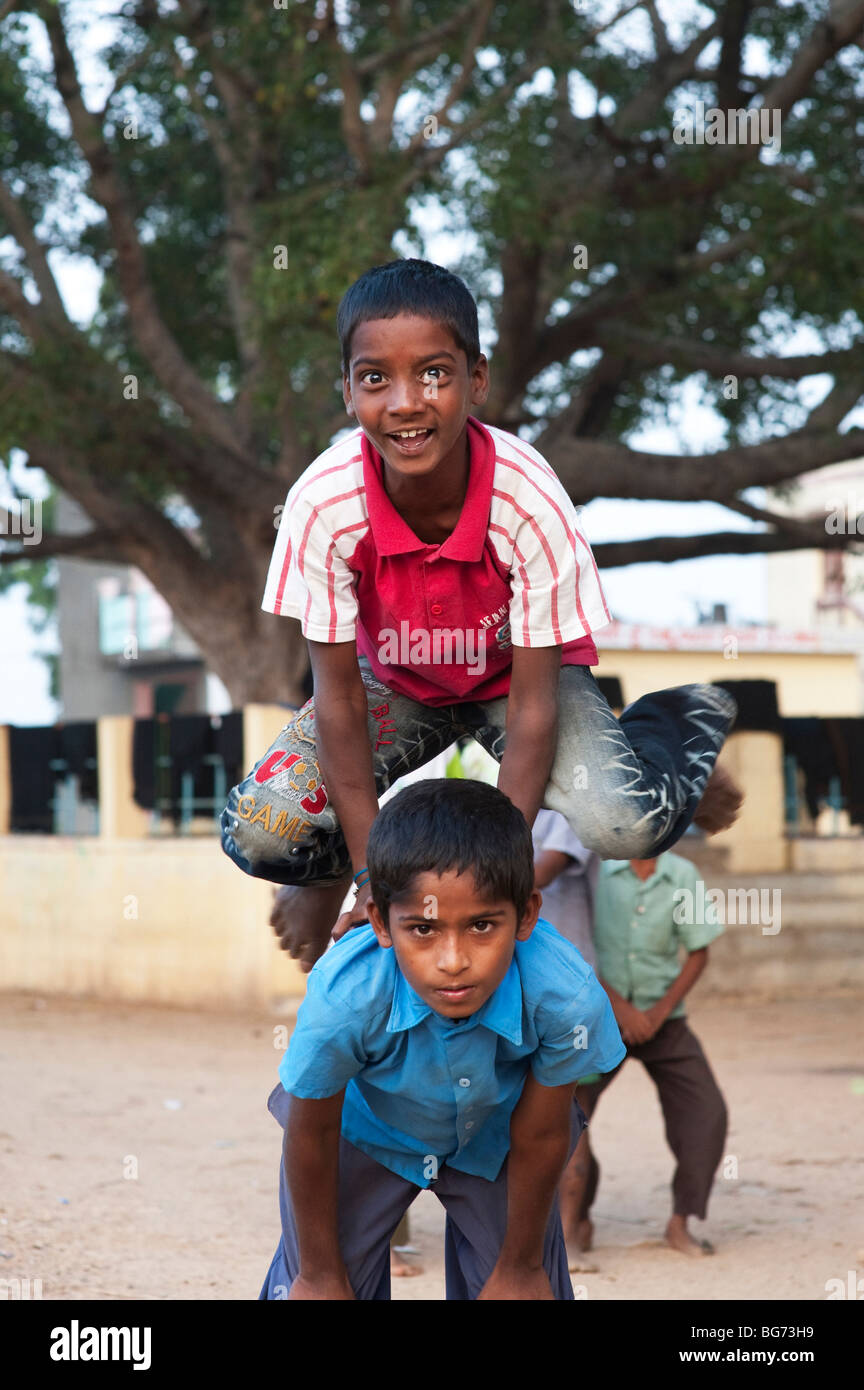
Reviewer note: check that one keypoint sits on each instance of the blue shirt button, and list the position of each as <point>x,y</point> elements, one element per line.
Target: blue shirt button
<point>463,1081</point>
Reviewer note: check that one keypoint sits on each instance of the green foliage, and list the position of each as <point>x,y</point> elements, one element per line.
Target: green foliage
<point>268,85</point>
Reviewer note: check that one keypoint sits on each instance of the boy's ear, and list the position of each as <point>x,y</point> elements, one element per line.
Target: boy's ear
<point>346,395</point>
<point>480,381</point>
<point>379,926</point>
<point>529,917</point>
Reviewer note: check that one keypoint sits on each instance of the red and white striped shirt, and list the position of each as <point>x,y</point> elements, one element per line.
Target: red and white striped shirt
<point>437,622</point>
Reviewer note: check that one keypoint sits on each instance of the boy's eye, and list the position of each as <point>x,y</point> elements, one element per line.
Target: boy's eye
<point>483,926</point>
<point>373,372</point>
<point>422,928</point>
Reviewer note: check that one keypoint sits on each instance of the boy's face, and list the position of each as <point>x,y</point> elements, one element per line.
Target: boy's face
<point>408,373</point>
<point>454,944</point>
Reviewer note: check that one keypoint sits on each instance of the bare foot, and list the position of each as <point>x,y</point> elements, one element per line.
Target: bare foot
<point>399,1266</point>
<point>579,1243</point>
<point>302,918</point>
<point>720,804</point>
<point>681,1240</point>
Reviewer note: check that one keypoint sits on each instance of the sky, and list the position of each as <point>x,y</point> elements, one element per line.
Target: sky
<point>661,593</point>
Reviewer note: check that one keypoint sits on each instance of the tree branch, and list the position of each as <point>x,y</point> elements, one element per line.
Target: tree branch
<point>16,303</point>
<point>668,73</point>
<point>600,468</point>
<point>37,260</point>
<point>473,39</point>
<point>718,361</point>
<point>419,47</point>
<point>238,176</point>
<point>93,545</point>
<point>791,524</point>
<point>157,343</point>
<point>828,36</point>
<point>433,155</point>
<point>667,549</point>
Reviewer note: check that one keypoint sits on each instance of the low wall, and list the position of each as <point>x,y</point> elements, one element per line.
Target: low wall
<point>166,921</point>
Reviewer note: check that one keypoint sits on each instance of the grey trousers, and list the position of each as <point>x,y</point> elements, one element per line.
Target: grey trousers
<point>372,1202</point>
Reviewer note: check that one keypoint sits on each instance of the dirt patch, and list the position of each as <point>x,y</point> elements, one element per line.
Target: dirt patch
<point>139,1159</point>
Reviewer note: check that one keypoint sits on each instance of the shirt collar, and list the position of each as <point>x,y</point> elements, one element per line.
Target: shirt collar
<point>393,535</point>
<point>662,870</point>
<point>502,1012</point>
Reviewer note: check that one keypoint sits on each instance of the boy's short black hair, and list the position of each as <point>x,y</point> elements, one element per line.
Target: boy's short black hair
<point>451,823</point>
<point>410,286</point>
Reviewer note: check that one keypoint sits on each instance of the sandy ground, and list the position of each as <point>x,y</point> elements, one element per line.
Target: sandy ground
<point>139,1161</point>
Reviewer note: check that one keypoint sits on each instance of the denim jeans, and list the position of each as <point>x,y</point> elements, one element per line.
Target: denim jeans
<point>628,788</point>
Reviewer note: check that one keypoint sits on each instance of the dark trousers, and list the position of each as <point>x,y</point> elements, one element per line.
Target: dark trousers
<point>372,1202</point>
<point>694,1113</point>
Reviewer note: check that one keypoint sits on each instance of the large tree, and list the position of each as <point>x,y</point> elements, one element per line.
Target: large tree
<point>253,157</point>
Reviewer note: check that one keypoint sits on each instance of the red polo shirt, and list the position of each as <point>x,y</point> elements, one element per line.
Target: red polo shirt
<point>438,622</point>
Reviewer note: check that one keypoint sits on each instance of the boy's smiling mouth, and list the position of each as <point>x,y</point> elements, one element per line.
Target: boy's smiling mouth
<point>410,441</point>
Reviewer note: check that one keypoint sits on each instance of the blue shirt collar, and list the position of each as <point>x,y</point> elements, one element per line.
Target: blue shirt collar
<point>502,1012</point>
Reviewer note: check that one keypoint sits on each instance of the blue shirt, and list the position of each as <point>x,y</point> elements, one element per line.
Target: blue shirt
<point>421,1089</point>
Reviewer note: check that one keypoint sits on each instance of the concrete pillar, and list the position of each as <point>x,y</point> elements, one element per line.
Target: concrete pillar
<point>5,781</point>
<point>757,842</point>
<point>261,724</point>
<point>119,816</point>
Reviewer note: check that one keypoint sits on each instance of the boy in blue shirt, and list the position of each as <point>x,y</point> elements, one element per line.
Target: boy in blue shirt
<point>438,1047</point>
<point>440,575</point>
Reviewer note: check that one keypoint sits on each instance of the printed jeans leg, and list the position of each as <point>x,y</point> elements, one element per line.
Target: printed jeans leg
<point>279,823</point>
<point>372,1202</point>
<point>477,1222</point>
<point>694,1112</point>
<point>628,788</point>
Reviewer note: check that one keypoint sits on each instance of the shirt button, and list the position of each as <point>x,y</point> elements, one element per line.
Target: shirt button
<point>641,907</point>
<point>632,955</point>
<point>463,1081</point>
<point>469,1124</point>
<point>436,609</point>
<point>634,924</point>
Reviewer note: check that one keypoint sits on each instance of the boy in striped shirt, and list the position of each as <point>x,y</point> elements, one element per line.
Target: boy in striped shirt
<point>439,574</point>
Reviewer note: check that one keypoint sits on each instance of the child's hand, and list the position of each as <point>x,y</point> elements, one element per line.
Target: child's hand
<point>636,1025</point>
<point>655,1018</point>
<point>354,918</point>
<point>640,1026</point>
<point>327,1289</point>
<point>627,1016</point>
<point>516,1282</point>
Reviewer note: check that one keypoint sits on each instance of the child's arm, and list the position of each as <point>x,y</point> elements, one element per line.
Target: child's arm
<point>532,727</point>
<point>311,1152</point>
<point>539,1141</point>
<point>548,864</point>
<point>690,972</point>
<point>344,750</point>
